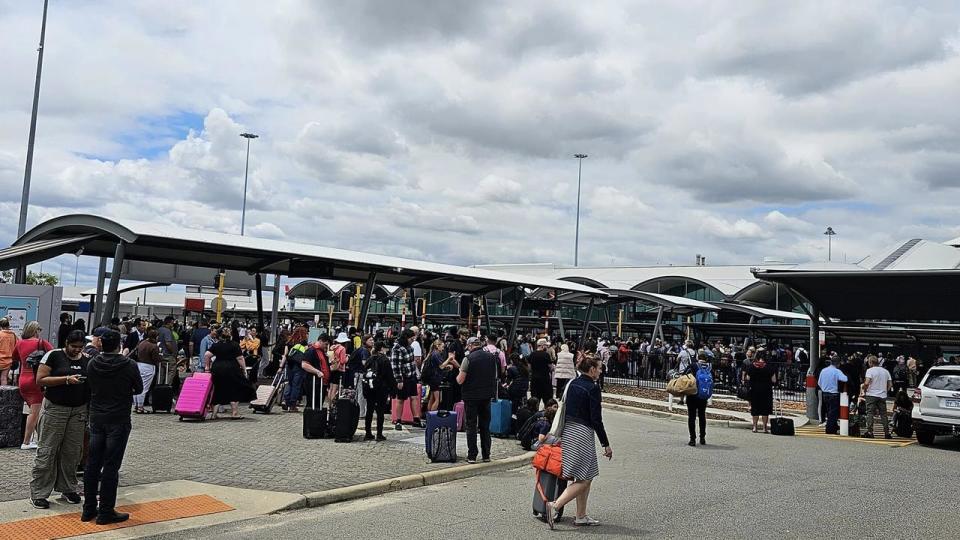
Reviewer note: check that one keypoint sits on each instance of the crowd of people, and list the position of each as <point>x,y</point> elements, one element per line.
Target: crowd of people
<point>92,383</point>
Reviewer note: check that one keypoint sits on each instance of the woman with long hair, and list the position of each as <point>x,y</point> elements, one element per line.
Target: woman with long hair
<point>582,422</point>
<point>761,377</point>
<point>30,342</point>
<point>295,373</point>
<point>62,373</point>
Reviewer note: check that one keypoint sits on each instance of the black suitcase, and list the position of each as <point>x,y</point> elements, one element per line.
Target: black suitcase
<point>547,488</point>
<point>161,398</point>
<point>347,420</point>
<point>314,418</point>
<point>903,424</point>
<point>781,425</point>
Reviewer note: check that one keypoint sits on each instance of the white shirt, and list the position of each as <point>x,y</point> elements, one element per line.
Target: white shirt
<point>417,351</point>
<point>879,378</point>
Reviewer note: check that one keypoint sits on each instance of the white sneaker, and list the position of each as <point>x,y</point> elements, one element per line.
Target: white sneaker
<point>31,446</point>
<point>585,522</point>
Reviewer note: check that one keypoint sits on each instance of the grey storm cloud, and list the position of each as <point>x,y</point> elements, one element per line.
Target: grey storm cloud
<point>815,46</point>
<point>445,130</point>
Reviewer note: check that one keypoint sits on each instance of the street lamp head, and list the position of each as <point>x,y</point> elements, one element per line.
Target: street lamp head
<point>579,156</point>
<point>249,136</point>
<point>829,231</point>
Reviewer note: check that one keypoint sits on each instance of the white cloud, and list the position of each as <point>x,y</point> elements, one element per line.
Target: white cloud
<point>737,130</point>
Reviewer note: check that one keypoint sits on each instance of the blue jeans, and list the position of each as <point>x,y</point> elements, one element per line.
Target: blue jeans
<point>291,395</point>
<point>101,474</point>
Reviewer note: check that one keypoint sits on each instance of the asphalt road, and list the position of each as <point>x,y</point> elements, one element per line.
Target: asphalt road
<point>741,485</point>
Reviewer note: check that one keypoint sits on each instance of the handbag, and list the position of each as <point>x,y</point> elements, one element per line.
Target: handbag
<point>549,458</point>
<point>684,385</point>
<point>743,392</point>
<point>556,428</point>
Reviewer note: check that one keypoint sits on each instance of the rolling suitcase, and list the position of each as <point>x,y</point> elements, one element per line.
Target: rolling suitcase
<point>161,395</point>
<point>11,411</point>
<point>461,415</point>
<point>195,396</point>
<point>781,425</point>
<point>501,418</point>
<point>441,436</point>
<point>546,489</point>
<point>401,411</point>
<point>347,416</point>
<point>267,394</point>
<point>315,419</point>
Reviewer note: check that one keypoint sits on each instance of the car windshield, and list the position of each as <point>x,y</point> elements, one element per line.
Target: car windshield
<point>944,380</point>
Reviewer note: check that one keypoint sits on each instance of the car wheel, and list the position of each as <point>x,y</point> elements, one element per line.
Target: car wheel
<point>925,438</point>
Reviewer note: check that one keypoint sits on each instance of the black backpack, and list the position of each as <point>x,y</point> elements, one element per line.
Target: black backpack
<point>526,434</point>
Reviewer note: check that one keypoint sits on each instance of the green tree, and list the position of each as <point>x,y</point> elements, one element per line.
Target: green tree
<point>42,278</point>
<point>6,276</point>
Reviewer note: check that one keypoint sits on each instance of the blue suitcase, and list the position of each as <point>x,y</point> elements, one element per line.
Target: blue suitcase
<point>501,418</point>
<point>441,436</point>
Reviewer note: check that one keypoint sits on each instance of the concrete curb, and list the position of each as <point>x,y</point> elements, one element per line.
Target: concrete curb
<point>736,424</point>
<point>370,489</point>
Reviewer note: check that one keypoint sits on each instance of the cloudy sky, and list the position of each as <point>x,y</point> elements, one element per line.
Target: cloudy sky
<point>445,130</point>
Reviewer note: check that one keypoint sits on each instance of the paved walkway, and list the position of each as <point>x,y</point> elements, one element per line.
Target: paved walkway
<point>677,408</point>
<point>263,452</point>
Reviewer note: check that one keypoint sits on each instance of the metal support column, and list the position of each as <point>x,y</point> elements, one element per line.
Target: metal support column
<point>275,311</point>
<point>813,403</point>
<point>586,320</point>
<point>365,306</point>
<point>98,300</point>
<point>516,317</point>
<point>656,325</point>
<point>606,316</point>
<point>112,294</point>
<point>560,319</point>
<point>486,314</point>
<point>258,280</point>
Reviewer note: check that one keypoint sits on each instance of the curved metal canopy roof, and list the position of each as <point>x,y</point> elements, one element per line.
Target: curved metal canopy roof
<point>762,313</point>
<point>676,304</point>
<point>324,288</point>
<point>153,242</point>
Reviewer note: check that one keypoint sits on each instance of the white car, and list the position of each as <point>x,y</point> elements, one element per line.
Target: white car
<point>936,409</point>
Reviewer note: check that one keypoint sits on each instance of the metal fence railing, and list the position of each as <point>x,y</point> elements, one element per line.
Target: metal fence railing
<point>643,372</point>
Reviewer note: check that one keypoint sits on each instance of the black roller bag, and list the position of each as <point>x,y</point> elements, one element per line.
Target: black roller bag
<point>315,418</point>
<point>347,417</point>
<point>781,425</point>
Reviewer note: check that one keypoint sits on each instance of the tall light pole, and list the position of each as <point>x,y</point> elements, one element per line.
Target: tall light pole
<point>28,169</point>
<point>576,240</point>
<point>246,169</point>
<point>830,234</point>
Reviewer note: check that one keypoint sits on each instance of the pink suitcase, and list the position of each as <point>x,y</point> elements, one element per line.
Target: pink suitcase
<point>408,412</point>
<point>461,415</point>
<point>195,396</point>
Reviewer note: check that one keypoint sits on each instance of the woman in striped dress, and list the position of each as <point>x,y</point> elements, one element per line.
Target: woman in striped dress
<point>582,422</point>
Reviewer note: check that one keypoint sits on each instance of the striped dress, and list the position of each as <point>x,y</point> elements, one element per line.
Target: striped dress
<point>579,452</point>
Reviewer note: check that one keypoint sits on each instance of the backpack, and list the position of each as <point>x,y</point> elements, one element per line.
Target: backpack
<point>443,445</point>
<point>295,354</point>
<point>526,433</point>
<point>704,383</point>
<point>34,358</point>
<point>371,375</point>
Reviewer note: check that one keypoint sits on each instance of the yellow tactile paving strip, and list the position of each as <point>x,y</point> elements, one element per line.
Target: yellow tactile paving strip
<point>67,525</point>
<point>815,431</point>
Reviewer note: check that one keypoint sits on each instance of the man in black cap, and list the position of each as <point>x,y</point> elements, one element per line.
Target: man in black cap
<point>113,380</point>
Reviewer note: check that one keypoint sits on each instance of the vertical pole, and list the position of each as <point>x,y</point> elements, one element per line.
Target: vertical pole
<point>112,296</point>
<point>98,302</point>
<point>76,271</point>
<point>516,318</point>
<point>560,319</point>
<point>586,320</point>
<point>844,410</point>
<point>329,317</point>
<point>576,240</point>
<point>620,323</point>
<point>656,325</point>
<point>367,296</point>
<point>813,409</point>
<point>486,314</point>
<point>258,280</point>
<point>28,169</point>
<point>606,316</point>
<point>246,169</point>
<point>275,310</point>
<point>219,300</point>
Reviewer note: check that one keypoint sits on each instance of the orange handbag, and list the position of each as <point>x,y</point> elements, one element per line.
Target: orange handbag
<point>549,459</point>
